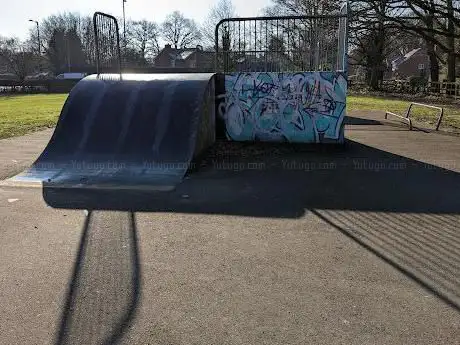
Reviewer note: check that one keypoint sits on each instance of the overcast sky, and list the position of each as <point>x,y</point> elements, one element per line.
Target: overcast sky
<point>14,14</point>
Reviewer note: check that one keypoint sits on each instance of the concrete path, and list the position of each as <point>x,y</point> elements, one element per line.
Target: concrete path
<point>263,245</point>
<point>16,154</point>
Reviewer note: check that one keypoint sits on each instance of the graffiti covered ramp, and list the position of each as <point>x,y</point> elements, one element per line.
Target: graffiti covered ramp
<point>298,107</point>
<point>138,131</point>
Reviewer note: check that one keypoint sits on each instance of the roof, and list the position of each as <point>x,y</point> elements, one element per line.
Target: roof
<point>411,53</point>
<point>181,54</point>
<point>396,62</point>
<point>200,58</point>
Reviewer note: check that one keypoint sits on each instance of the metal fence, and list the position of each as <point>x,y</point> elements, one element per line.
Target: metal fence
<point>37,86</point>
<point>107,41</point>
<point>282,44</point>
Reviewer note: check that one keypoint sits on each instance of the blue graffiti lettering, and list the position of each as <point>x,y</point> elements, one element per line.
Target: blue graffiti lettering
<point>299,107</point>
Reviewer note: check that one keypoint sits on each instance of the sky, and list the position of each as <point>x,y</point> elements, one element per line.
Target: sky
<point>15,14</point>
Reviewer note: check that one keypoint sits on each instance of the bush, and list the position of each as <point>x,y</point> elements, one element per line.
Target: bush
<point>418,84</point>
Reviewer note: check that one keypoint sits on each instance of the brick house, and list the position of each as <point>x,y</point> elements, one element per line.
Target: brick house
<point>185,58</point>
<point>415,63</point>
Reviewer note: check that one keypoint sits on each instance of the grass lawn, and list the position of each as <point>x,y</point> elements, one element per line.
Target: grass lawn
<point>27,113</point>
<point>419,114</point>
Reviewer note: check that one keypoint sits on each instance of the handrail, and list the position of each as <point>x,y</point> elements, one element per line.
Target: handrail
<point>407,118</point>
<point>409,121</point>
<point>96,39</point>
<point>441,111</point>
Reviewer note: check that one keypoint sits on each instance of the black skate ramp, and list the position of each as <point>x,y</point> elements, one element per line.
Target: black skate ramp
<point>135,131</point>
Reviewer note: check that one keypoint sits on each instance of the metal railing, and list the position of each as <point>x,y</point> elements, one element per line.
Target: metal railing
<point>440,116</point>
<point>406,117</point>
<point>282,44</point>
<point>107,42</point>
<point>403,118</point>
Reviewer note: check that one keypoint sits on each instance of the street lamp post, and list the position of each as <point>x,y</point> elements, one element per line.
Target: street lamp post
<point>123,57</point>
<point>124,22</point>
<point>38,34</point>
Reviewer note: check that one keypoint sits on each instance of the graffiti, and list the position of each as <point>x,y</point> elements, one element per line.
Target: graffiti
<point>260,86</point>
<point>294,107</point>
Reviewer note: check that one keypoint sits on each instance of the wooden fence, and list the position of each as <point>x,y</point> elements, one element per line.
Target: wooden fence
<point>440,89</point>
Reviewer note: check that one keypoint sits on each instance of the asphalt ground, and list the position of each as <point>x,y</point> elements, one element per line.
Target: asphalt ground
<point>261,244</point>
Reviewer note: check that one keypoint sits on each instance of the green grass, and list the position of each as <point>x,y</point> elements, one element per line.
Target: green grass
<point>419,114</point>
<point>27,113</point>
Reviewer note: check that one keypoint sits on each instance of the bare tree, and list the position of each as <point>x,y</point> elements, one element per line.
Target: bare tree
<point>370,38</point>
<point>309,43</point>
<point>62,21</point>
<point>224,9</point>
<point>143,37</point>
<point>66,22</point>
<point>180,31</point>
<point>65,51</point>
<point>88,41</point>
<point>303,7</point>
<point>17,56</point>
<point>436,21</point>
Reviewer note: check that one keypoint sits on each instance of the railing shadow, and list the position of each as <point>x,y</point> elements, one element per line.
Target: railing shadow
<point>104,292</point>
<point>425,247</point>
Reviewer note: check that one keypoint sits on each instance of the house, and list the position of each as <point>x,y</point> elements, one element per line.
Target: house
<point>414,63</point>
<point>185,58</point>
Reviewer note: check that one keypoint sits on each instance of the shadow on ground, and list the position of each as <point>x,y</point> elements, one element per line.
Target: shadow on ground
<point>423,246</point>
<point>353,120</point>
<point>404,211</point>
<point>105,288</point>
<point>283,181</point>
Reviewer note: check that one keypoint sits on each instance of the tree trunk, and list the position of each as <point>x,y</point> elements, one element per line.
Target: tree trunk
<point>374,77</point>
<point>451,43</point>
<point>430,47</point>
<point>434,63</point>
<point>451,67</point>
<point>434,67</point>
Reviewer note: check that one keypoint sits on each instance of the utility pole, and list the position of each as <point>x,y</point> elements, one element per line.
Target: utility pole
<point>38,34</point>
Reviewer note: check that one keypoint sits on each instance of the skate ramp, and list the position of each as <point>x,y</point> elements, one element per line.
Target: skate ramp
<point>298,107</point>
<point>133,131</point>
